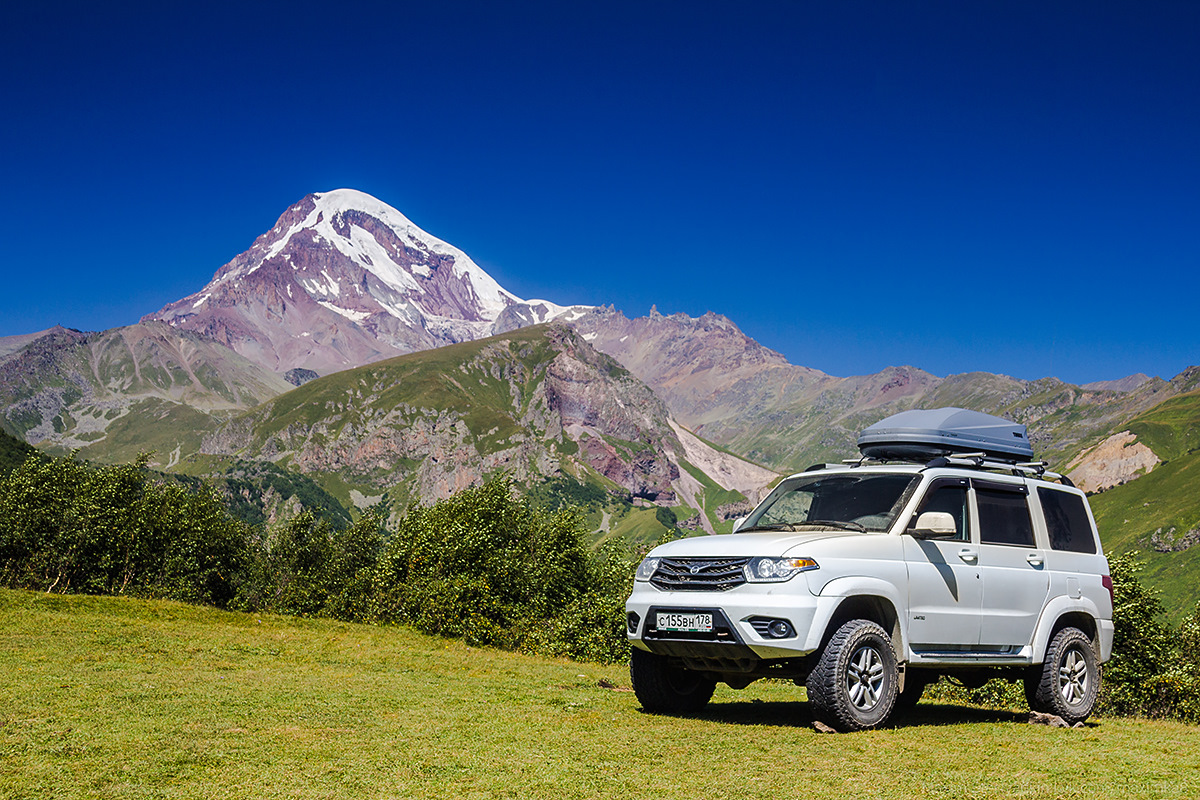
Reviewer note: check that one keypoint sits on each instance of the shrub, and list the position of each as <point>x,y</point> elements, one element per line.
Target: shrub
<point>483,565</point>
<point>306,567</point>
<point>1155,672</point>
<point>996,693</point>
<point>592,628</point>
<point>1142,645</point>
<point>65,526</point>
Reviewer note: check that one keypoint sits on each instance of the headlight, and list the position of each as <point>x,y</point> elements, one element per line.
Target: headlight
<point>775,570</point>
<point>646,569</point>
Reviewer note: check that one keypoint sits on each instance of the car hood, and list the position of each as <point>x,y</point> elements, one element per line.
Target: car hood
<point>745,544</point>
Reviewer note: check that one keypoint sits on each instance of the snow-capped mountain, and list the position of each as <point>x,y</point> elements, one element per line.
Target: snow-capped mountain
<point>344,279</point>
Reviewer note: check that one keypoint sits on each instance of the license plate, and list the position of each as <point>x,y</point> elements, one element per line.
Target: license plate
<point>689,622</point>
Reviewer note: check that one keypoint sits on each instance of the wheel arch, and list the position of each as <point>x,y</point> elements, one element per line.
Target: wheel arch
<point>874,607</point>
<point>1057,619</point>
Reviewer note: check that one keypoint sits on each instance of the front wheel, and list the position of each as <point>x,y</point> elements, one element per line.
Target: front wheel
<point>666,689</point>
<point>1068,681</point>
<point>853,687</point>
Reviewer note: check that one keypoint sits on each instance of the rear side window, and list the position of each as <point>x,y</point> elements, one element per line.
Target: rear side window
<point>1067,521</point>
<point>1004,518</point>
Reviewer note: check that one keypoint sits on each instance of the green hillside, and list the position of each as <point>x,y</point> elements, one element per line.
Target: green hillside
<point>539,403</point>
<point>13,452</point>
<point>259,492</point>
<point>1172,428</point>
<point>124,391</point>
<point>1158,514</point>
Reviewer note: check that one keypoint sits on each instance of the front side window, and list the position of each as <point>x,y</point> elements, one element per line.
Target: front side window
<point>950,499</point>
<point>861,502</point>
<point>1004,518</point>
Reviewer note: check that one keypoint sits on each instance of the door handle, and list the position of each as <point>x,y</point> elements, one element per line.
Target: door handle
<point>967,554</point>
<point>1035,559</point>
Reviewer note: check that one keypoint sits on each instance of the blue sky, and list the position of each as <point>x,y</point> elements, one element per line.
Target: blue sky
<point>1002,186</point>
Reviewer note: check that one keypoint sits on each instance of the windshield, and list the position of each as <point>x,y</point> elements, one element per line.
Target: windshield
<point>861,502</point>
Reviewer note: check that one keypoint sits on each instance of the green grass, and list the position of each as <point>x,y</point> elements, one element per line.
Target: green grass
<point>1163,499</point>
<point>1171,428</point>
<point>715,496</point>
<point>117,698</point>
<point>635,525</point>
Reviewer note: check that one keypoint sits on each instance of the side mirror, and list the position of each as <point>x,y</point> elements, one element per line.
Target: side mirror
<point>737,523</point>
<point>934,525</point>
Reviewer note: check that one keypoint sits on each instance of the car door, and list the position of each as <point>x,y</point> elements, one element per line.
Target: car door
<point>1012,566</point>
<point>944,586</point>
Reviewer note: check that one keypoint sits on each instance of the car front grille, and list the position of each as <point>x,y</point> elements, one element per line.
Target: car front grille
<point>700,574</point>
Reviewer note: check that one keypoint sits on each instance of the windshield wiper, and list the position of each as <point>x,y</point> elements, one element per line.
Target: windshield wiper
<point>795,527</point>
<point>776,526</point>
<point>833,523</point>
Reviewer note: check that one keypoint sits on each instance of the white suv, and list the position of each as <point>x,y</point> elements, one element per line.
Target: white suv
<point>865,582</point>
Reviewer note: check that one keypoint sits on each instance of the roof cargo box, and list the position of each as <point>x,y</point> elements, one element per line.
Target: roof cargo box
<point>923,435</point>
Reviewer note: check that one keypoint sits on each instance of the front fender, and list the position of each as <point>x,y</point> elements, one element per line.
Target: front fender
<point>837,591</point>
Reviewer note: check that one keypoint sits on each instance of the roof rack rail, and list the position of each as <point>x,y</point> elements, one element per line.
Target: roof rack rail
<point>1035,469</point>
<point>980,461</point>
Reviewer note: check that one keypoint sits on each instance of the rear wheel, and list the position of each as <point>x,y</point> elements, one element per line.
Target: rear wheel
<point>1068,681</point>
<point>853,686</point>
<point>663,688</point>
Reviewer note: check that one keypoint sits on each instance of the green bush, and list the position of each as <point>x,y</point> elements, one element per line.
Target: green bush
<point>592,628</point>
<point>996,693</point>
<point>68,527</point>
<point>482,565</point>
<point>1154,671</point>
<point>305,566</point>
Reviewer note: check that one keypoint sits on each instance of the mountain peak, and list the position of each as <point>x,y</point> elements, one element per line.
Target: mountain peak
<point>343,279</point>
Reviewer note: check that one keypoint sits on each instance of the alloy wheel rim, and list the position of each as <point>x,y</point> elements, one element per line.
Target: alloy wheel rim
<point>864,678</point>
<point>1073,677</point>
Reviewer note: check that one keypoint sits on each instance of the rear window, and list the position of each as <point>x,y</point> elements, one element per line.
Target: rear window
<point>1067,521</point>
<point>1003,518</point>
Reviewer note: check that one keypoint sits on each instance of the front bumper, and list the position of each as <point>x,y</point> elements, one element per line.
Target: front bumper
<point>735,637</point>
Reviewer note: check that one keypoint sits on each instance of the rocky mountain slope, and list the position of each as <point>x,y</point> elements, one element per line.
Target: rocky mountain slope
<point>123,391</point>
<point>343,279</point>
<point>537,402</point>
<point>733,391</point>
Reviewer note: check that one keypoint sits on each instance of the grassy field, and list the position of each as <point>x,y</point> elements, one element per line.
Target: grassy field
<point>116,698</point>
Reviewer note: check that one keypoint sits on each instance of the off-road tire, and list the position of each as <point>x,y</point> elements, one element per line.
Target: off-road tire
<point>1068,681</point>
<point>853,686</point>
<point>662,688</point>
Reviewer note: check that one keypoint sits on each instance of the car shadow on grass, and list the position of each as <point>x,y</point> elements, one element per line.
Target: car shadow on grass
<point>798,714</point>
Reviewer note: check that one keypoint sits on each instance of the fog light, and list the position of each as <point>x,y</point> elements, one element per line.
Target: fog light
<point>779,629</point>
<point>632,620</point>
